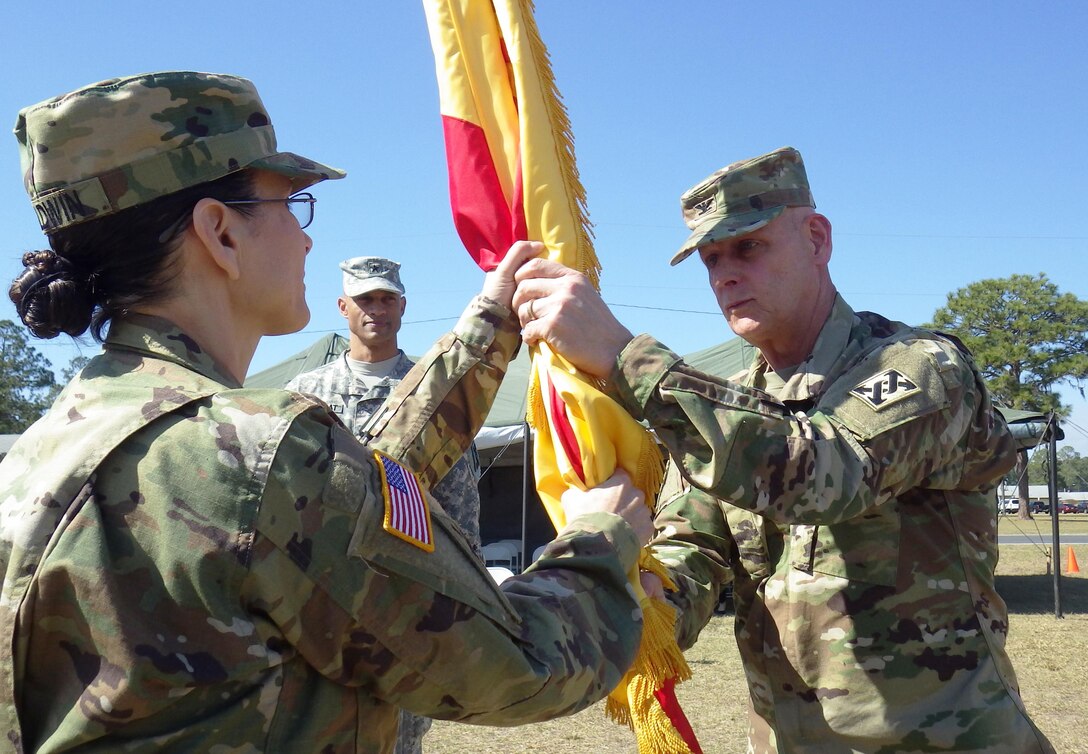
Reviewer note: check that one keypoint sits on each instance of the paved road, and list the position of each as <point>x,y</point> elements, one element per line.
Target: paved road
<point>1043,537</point>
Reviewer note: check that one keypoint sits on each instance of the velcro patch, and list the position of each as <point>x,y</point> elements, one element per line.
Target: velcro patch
<point>407,515</point>
<point>885,389</point>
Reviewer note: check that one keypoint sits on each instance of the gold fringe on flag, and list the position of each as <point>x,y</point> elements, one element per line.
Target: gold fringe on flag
<point>585,260</point>
<point>659,660</point>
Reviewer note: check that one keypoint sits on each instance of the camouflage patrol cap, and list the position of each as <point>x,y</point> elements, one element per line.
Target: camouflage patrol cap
<point>366,274</point>
<point>123,142</point>
<point>743,197</point>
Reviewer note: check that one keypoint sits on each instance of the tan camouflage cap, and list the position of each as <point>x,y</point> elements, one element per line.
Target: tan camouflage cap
<point>743,197</point>
<point>366,274</point>
<point>122,142</point>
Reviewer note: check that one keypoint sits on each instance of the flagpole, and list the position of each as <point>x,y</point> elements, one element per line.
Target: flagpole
<point>526,457</point>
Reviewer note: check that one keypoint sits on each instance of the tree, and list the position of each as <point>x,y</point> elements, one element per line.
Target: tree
<point>66,375</point>
<point>74,367</point>
<point>26,380</point>
<point>1072,469</point>
<point>1027,338</point>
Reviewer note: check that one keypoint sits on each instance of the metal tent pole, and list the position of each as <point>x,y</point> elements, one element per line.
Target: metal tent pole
<point>1052,488</point>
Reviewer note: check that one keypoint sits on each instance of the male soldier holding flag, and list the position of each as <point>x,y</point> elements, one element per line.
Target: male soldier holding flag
<point>843,483</point>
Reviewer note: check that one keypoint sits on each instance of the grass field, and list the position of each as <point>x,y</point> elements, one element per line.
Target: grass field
<point>1050,657</point>
<point>1073,523</point>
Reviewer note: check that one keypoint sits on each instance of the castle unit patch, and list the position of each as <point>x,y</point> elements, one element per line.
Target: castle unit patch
<point>885,389</point>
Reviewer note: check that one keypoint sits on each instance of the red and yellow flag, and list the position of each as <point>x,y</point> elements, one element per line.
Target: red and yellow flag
<point>513,177</point>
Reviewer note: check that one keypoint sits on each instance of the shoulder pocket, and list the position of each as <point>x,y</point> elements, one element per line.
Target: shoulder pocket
<point>452,569</point>
<point>896,384</point>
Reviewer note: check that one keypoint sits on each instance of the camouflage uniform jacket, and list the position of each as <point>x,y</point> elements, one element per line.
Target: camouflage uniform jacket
<point>193,566</point>
<point>458,492</point>
<point>854,511</point>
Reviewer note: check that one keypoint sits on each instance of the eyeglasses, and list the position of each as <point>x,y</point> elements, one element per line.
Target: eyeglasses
<point>300,205</point>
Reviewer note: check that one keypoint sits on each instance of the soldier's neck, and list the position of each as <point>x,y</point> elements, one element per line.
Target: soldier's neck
<point>372,353</point>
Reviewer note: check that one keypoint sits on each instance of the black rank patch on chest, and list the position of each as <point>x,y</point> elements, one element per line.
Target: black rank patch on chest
<point>885,389</point>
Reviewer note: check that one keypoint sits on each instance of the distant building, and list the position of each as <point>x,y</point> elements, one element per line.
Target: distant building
<point>1008,499</point>
<point>6,441</point>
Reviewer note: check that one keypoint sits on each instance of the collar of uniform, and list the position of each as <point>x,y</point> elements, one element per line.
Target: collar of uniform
<point>162,339</point>
<point>808,380</point>
<point>400,371</point>
<point>403,367</point>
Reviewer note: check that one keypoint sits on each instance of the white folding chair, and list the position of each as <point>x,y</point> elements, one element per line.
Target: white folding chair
<point>499,554</point>
<point>516,544</point>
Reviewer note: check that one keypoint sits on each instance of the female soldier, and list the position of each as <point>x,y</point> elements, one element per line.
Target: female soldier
<point>191,565</point>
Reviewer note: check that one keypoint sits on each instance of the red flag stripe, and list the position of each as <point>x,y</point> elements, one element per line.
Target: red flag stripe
<point>483,216</point>
<point>520,226</point>
<point>564,431</point>
<point>666,697</point>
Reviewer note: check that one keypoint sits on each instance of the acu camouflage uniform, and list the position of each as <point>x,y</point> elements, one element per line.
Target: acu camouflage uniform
<point>190,565</point>
<point>852,507</point>
<point>458,492</point>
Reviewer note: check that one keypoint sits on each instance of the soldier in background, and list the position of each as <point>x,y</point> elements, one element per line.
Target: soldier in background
<point>356,384</point>
<point>844,483</point>
<point>190,565</point>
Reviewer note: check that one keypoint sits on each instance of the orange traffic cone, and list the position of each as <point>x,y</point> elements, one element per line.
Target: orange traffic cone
<point>1071,562</point>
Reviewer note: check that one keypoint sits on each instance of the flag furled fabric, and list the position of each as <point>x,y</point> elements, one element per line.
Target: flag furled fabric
<point>508,146</point>
<point>512,177</point>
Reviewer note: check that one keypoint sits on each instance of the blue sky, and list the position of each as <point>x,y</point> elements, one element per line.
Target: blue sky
<point>944,140</point>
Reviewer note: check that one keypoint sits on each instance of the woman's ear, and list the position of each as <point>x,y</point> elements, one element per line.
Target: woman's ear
<point>219,231</point>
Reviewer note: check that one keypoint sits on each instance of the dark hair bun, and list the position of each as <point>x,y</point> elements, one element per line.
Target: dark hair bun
<point>51,297</point>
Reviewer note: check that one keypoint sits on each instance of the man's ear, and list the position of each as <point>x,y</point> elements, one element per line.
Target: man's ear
<point>819,232</point>
<point>219,229</point>
<point>342,304</point>
<point>403,303</point>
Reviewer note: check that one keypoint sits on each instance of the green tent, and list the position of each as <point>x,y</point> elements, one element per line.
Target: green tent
<point>508,409</point>
<point>723,360</point>
<point>320,352</point>
<point>1028,427</point>
<point>728,358</point>
<point>504,423</point>
<point>506,490</point>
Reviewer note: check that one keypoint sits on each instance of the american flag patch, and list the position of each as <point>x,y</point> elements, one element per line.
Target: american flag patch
<point>407,516</point>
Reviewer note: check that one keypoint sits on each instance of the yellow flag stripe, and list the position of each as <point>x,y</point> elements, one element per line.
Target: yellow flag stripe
<point>474,79</point>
